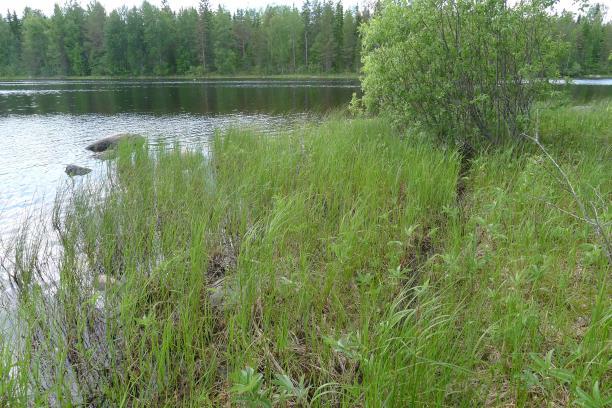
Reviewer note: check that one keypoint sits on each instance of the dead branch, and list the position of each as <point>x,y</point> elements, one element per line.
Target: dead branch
<point>593,221</point>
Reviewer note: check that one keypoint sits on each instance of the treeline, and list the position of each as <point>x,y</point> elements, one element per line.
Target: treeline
<point>588,42</point>
<point>321,37</point>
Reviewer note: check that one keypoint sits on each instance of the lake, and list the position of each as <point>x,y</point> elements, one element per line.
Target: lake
<point>588,89</point>
<point>45,124</point>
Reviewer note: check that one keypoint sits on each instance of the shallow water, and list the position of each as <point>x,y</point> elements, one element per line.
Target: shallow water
<point>45,125</point>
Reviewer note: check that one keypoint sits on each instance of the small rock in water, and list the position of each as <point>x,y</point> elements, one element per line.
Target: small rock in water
<point>73,170</point>
<point>112,141</point>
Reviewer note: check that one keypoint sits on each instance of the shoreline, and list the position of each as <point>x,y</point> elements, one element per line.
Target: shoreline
<point>238,77</point>
<point>280,77</point>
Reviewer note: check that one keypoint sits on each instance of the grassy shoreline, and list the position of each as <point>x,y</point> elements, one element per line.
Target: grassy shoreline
<point>334,265</point>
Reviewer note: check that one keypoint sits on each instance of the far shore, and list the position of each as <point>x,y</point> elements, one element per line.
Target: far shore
<point>242,77</point>
<point>346,76</point>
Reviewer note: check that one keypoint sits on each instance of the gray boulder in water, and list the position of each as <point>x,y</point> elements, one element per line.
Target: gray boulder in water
<point>111,142</point>
<point>73,170</point>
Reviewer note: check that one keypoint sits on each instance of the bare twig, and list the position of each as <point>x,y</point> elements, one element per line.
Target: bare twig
<point>556,207</point>
<point>594,220</point>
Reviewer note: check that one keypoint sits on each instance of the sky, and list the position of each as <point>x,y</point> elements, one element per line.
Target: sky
<point>47,5</point>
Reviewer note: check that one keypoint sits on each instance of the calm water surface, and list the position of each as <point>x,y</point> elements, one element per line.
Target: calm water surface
<point>585,90</point>
<point>45,125</point>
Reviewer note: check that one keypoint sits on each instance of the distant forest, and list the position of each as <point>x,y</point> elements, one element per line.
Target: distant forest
<point>321,37</point>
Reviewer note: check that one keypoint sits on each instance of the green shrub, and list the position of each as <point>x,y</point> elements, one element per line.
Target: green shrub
<point>460,68</point>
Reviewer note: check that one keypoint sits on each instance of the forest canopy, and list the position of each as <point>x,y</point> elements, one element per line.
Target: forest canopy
<point>319,37</point>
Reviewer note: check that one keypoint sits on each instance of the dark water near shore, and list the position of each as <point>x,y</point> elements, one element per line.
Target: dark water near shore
<point>172,97</point>
<point>586,90</point>
<point>45,124</point>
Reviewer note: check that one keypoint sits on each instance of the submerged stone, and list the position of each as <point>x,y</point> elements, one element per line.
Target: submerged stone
<point>111,142</point>
<point>73,170</point>
<point>106,155</point>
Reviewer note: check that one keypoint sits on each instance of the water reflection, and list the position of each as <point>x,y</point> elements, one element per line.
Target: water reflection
<point>168,97</point>
<point>583,90</point>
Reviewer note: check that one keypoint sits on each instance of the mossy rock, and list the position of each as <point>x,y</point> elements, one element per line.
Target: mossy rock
<point>111,142</point>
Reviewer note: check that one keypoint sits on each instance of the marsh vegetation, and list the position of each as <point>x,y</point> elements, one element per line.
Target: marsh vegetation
<point>445,241</point>
<point>337,264</point>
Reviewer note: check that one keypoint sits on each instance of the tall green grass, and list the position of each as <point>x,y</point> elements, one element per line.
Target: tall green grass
<point>335,265</point>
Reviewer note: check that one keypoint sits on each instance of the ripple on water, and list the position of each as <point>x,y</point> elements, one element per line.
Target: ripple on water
<point>36,148</point>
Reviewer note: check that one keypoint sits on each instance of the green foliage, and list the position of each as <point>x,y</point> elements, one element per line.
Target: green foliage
<point>324,266</point>
<point>321,37</point>
<point>588,41</point>
<point>324,47</point>
<point>248,388</point>
<point>94,36</point>
<point>593,400</point>
<point>187,47</point>
<point>10,45</point>
<point>281,24</point>
<point>35,43</point>
<point>224,56</point>
<point>116,45</point>
<point>5,43</point>
<point>149,40</point>
<point>462,69</point>
<point>289,390</point>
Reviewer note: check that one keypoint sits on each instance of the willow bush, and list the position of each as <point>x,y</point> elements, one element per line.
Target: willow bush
<point>464,69</point>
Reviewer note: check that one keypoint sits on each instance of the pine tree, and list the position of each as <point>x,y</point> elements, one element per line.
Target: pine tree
<point>321,37</point>
<point>325,44</point>
<point>6,39</point>
<point>74,39</point>
<point>58,61</point>
<point>187,55</point>
<point>223,42</point>
<point>339,36</point>
<point>204,35</point>
<point>136,53</point>
<point>35,42</point>
<point>116,45</point>
<point>349,41</point>
<point>307,22</point>
<point>94,37</point>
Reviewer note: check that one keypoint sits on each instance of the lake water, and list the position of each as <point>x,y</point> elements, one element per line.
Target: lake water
<point>45,125</point>
<point>588,89</point>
